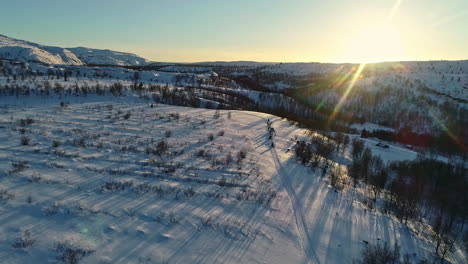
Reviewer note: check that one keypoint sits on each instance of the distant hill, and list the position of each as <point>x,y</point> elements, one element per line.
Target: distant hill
<point>107,57</point>
<point>20,50</point>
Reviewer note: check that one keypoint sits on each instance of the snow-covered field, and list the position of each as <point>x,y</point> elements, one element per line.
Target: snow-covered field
<point>115,180</point>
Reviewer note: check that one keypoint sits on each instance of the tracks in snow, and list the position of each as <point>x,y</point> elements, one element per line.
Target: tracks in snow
<point>301,225</point>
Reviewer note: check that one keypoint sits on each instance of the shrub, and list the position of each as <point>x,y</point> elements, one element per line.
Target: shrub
<point>303,152</point>
<point>176,116</point>
<point>6,195</point>
<point>25,241</point>
<point>379,253</point>
<point>35,178</point>
<point>116,88</point>
<point>189,192</point>
<point>26,121</point>
<point>242,154</point>
<point>53,209</point>
<point>19,165</point>
<point>216,114</point>
<point>71,253</point>
<point>127,115</point>
<point>116,186</point>
<point>29,199</point>
<point>228,159</point>
<point>168,133</point>
<point>56,143</point>
<point>222,182</point>
<point>25,140</point>
<point>79,142</point>
<point>210,137</point>
<point>221,133</point>
<point>161,147</point>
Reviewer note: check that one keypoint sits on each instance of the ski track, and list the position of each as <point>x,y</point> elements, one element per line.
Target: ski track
<point>301,224</point>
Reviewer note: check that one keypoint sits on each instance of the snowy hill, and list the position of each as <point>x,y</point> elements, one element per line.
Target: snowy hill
<point>107,57</point>
<point>20,50</point>
<point>91,183</point>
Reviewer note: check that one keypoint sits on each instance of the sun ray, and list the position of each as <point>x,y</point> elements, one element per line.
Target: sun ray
<point>357,73</point>
<point>394,10</point>
<point>338,82</point>
<point>441,124</point>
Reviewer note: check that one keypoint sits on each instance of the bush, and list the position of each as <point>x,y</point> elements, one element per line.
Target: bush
<point>25,140</point>
<point>161,147</point>
<point>29,199</point>
<point>25,241</point>
<point>19,166</point>
<point>53,209</point>
<point>242,154</point>
<point>6,195</point>
<point>304,152</point>
<point>79,142</point>
<point>56,143</point>
<point>217,114</point>
<point>168,133</point>
<point>26,121</point>
<point>210,137</point>
<point>116,88</point>
<point>379,253</point>
<point>116,186</point>
<point>127,115</point>
<point>222,182</point>
<point>69,252</point>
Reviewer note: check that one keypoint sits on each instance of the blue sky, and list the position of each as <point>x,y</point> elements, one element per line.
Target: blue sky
<point>262,30</point>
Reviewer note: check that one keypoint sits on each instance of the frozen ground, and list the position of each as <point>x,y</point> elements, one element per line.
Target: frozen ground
<point>95,178</point>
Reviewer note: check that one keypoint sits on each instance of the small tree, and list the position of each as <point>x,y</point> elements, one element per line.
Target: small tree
<point>358,147</point>
<point>25,140</point>
<point>339,138</point>
<point>303,152</point>
<point>379,253</point>
<point>25,241</point>
<point>443,238</point>
<point>217,114</point>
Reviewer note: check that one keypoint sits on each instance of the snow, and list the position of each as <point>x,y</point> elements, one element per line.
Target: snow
<point>107,57</point>
<point>104,189</point>
<point>305,222</point>
<point>20,50</point>
<point>370,127</point>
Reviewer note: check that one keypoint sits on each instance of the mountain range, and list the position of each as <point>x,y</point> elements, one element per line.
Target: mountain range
<point>20,50</point>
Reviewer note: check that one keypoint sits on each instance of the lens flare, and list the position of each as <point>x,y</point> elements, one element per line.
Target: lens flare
<point>357,73</point>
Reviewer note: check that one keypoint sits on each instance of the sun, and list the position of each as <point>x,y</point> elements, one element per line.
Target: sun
<point>375,43</point>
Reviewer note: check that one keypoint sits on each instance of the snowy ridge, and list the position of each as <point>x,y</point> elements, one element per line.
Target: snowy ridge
<point>107,57</point>
<point>20,50</point>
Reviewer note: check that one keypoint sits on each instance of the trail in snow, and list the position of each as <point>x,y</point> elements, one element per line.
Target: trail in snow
<point>297,208</point>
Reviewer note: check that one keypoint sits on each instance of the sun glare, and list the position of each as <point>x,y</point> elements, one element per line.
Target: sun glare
<point>375,43</point>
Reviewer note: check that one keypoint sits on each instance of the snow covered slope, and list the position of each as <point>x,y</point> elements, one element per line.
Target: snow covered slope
<point>107,57</point>
<point>89,182</point>
<point>20,50</point>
